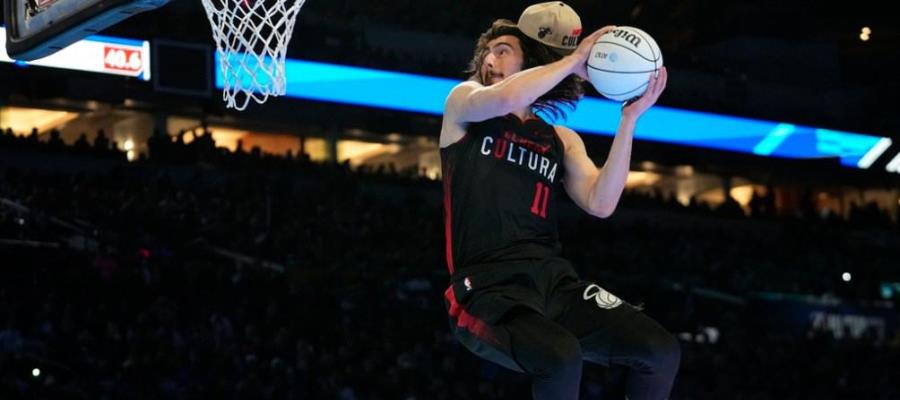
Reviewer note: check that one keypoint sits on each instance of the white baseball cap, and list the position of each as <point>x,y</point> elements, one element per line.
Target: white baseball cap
<point>553,23</point>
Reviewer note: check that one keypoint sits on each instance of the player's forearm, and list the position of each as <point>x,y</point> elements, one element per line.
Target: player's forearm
<point>523,88</point>
<point>608,187</point>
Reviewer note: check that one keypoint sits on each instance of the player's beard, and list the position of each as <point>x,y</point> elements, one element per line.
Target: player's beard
<point>489,78</point>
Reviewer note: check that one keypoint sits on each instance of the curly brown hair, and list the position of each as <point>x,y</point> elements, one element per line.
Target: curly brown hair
<point>554,103</point>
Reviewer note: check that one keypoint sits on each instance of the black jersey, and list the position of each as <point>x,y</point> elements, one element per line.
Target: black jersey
<point>500,186</point>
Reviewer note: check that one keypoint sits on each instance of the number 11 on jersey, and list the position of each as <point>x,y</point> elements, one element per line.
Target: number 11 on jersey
<point>541,197</point>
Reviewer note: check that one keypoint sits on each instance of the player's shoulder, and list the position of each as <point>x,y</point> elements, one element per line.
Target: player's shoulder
<point>563,130</point>
<point>452,130</point>
<point>461,90</point>
<point>568,136</point>
<point>467,85</point>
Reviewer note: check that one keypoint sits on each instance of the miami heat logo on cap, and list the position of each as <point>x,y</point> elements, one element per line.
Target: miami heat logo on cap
<point>544,31</point>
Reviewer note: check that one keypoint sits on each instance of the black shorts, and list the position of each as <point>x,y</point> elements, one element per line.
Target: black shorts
<point>477,304</point>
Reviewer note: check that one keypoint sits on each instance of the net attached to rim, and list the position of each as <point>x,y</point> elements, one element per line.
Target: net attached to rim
<point>251,39</point>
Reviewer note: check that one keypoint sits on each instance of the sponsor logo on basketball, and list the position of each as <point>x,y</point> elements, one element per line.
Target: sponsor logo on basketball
<point>627,36</point>
<point>122,59</point>
<point>606,56</point>
<point>604,299</point>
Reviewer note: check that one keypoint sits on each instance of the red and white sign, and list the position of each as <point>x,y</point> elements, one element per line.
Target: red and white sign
<point>121,58</point>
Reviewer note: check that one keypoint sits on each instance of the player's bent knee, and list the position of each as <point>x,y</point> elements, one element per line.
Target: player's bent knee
<point>560,356</point>
<point>565,356</point>
<point>669,353</point>
<point>661,352</point>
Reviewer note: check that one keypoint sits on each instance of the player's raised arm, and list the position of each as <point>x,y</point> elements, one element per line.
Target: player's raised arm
<point>472,102</point>
<point>598,191</point>
<point>503,92</point>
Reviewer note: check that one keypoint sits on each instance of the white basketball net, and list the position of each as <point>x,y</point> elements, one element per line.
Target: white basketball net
<point>251,40</point>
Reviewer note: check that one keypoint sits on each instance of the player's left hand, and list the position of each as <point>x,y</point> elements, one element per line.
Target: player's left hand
<point>635,107</point>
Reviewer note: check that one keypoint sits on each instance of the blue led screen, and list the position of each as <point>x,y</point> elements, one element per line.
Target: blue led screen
<point>423,94</point>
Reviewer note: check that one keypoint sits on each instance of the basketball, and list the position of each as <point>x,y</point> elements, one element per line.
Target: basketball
<point>621,62</point>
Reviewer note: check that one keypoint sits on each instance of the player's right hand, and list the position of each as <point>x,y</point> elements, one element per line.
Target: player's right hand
<point>583,52</point>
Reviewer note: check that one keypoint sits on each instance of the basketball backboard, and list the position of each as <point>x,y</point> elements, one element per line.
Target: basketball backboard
<point>38,28</point>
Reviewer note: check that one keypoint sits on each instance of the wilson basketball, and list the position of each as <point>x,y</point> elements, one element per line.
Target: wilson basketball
<point>622,62</point>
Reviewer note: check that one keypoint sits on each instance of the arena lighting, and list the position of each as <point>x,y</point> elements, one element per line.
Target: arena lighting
<point>893,165</point>
<point>21,120</point>
<point>866,161</point>
<point>423,94</point>
<point>128,146</point>
<point>100,54</point>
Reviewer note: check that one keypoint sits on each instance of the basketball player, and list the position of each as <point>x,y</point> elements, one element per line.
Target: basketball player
<point>512,299</point>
